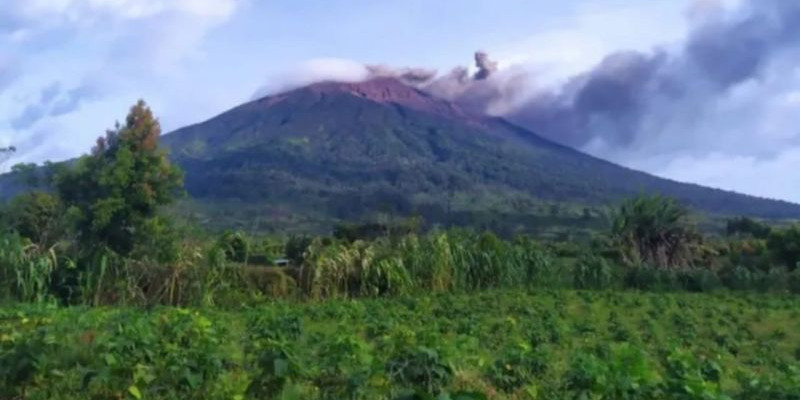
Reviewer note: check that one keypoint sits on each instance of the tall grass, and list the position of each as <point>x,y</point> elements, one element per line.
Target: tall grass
<point>197,278</point>
<point>436,262</point>
<point>26,271</point>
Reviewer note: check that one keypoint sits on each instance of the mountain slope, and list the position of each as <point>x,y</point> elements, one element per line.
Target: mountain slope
<point>335,151</point>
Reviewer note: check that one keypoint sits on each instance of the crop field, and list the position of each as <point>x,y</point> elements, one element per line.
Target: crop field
<point>494,345</point>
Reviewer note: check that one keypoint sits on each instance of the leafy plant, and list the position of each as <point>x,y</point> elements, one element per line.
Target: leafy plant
<point>654,230</point>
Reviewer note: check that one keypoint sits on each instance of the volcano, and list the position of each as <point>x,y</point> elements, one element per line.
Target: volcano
<point>336,151</point>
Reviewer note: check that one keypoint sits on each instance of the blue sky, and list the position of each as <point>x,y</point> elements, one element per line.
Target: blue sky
<point>70,68</point>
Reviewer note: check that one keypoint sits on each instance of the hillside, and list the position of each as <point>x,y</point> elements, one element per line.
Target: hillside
<point>344,151</point>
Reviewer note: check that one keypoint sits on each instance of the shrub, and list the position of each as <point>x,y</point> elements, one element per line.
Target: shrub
<point>517,367</point>
<point>784,245</point>
<point>655,230</point>
<point>688,376</point>
<point>235,246</point>
<point>26,272</point>
<point>592,272</point>
<point>737,278</point>
<point>420,368</point>
<point>296,248</point>
<point>782,386</point>
<point>627,375</point>
<point>698,280</point>
<point>275,367</point>
<point>38,217</point>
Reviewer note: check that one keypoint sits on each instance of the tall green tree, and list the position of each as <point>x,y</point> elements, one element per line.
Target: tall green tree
<point>655,231</point>
<point>113,195</point>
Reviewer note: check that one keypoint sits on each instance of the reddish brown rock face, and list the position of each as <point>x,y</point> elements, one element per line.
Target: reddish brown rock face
<point>384,90</point>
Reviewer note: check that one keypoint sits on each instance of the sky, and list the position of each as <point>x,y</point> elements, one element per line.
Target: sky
<point>702,91</point>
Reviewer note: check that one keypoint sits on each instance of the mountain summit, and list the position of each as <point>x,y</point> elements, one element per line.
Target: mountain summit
<point>388,90</point>
<point>341,151</point>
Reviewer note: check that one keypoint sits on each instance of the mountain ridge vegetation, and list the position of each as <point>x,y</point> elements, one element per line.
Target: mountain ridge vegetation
<point>342,151</point>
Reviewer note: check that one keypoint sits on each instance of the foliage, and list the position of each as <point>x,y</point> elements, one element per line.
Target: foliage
<point>421,368</point>
<point>114,193</point>
<point>593,272</point>
<point>234,245</point>
<point>747,226</point>
<point>26,271</point>
<point>518,367</point>
<point>439,261</point>
<point>499,344</point>
<point>201,272</point>
<point>375,230</point>
<point>784,245</point>
<point>38,217</point>
<point>627,375</point>
<point>296,247</point>
<point>26,174</point>
<point>654,230</point>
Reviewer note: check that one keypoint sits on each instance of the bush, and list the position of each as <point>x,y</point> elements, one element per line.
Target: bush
<point>773,280</point>
<point>38,217</point>
<point>235,246</point>
<point>699,280</point>
<point>784,246</point>
<point>794,281</point>
<point>782,386</point>
<point>627,375</point>
<point>26,272</point>
<point>737,278</point>
<point>420,368</point>
<point>517,367</point>
<point>593,272</point>
<point>296,248</point>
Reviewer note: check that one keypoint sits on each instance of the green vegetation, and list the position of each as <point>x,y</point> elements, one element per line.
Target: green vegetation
<point>495,344</point>
<point>113,194</point>
<point>108,297</point>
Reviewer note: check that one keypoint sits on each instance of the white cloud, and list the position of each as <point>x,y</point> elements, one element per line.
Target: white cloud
<point>315,70</point>
<point>89,10</point>
<point>101,52</point>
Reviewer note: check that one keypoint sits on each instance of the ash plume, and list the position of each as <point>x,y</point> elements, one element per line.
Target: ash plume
<point>487,90</point>
<point>631,97</point>
<point>486,67</point>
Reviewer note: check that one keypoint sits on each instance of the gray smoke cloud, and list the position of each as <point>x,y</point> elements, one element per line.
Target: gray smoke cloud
<point>629,94</point>
<point>486,67</point>
<point>487,90</point>
<point>450,86</point>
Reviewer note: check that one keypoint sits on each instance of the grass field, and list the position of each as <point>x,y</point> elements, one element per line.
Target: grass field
<point>494,344</point>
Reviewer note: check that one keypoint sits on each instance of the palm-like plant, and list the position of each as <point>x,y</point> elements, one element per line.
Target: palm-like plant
<point>654,230</point>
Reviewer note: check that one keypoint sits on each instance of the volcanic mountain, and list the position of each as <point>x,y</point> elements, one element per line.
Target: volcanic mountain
<point>345,151</point>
